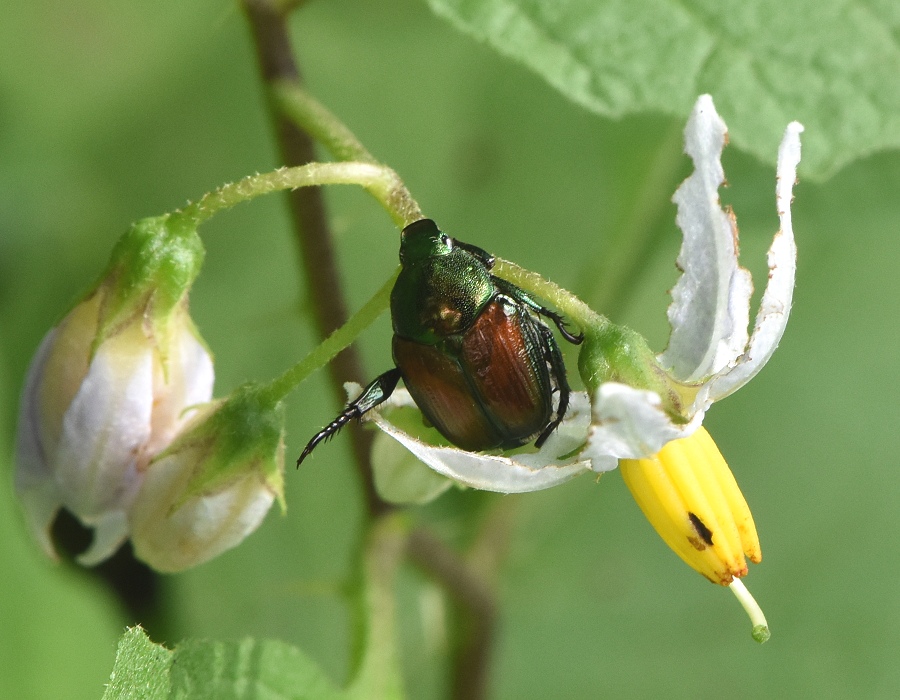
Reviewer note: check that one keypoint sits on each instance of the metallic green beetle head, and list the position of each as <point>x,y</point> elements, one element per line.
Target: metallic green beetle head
<point>421,240</point>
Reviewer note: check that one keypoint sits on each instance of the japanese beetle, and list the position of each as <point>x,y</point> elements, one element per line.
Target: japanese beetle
<point>470,348</point>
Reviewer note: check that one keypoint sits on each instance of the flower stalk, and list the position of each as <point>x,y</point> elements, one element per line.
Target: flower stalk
<point>318,121</point>
<point>380,181</point>
<point>325,351</point>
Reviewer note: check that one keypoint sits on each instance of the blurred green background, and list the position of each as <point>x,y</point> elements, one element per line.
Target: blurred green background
<point>114,111</point>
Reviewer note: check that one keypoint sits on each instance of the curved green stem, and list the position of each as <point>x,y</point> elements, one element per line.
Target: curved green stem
<point>312,117</point>
<point>382,182</point>
<point>318,121</point>
<point>281,386</point>
<point>571,306</point>
<point>378,676</point>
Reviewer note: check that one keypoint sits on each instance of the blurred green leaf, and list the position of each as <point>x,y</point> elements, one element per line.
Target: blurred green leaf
<point>268,670</point>
<point>264,669</point>
<point>141,670</point>
<point>832,65</point>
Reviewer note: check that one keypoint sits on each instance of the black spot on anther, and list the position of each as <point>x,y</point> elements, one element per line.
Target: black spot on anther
<point>704,532</point>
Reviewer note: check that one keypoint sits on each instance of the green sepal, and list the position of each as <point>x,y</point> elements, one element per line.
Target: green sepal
<point>242,433</point>
<point>150,270</point>
<point>612,353</point>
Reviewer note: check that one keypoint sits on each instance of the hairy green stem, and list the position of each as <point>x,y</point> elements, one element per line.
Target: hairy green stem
<point>382,182</point>
<point>324,288</point>
<point>378,675</point>
<point>314,118</point>
<point>281,386</point>
<point>571,306</point>
<point>609,353</point>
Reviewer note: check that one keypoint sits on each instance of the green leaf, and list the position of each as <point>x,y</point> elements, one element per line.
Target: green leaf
<point>832,65</point>
<point>141,670</point>
<point>262,669</point>
<point>265,670</point>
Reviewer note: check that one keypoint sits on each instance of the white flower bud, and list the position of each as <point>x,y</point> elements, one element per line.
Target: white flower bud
<point>108,388</point>
<point>213,486</point>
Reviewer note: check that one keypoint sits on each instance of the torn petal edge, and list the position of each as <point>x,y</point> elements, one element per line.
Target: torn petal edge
<point>775,307</point>
<point>710,307</point>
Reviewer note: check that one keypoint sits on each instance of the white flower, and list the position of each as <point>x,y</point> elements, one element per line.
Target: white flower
<point>710,353</point>
<point>709,349</point>
<point>90,423</point>
<point>109,388</point>
<point>494,472</point>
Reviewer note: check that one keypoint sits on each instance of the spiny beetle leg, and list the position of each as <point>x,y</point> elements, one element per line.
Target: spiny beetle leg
<point>561,325</point>
<point>519,295</point>
<point>377,392</point>
<point>558,367</point>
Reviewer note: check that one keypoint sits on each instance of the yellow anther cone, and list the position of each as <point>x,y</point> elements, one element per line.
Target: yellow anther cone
<point>690,497</point>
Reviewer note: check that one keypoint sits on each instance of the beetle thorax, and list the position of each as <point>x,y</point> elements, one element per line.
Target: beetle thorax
<point>440,296</point>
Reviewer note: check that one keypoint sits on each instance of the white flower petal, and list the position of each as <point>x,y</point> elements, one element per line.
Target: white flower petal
<point>204,526</point>
<point>630,423</point>
<point>34,481</point>
<point>32,465</point>
<point>105,428</point>
<point>518,473</point>
<point>41,503</point>
<point>199,374</point>
<point>110,531</point>
<point>402,479</point>
<point>782,258</point>
<point>188,383</point>
<point>710,302</point>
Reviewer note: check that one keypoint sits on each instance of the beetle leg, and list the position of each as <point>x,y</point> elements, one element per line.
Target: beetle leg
<point>377,392</point>
<point>561,325</point>
<point>519,295</point>
<point>558,367</point>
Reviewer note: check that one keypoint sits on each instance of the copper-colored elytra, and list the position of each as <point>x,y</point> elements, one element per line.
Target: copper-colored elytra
<point>510,381</point>
<point>436,381</point>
